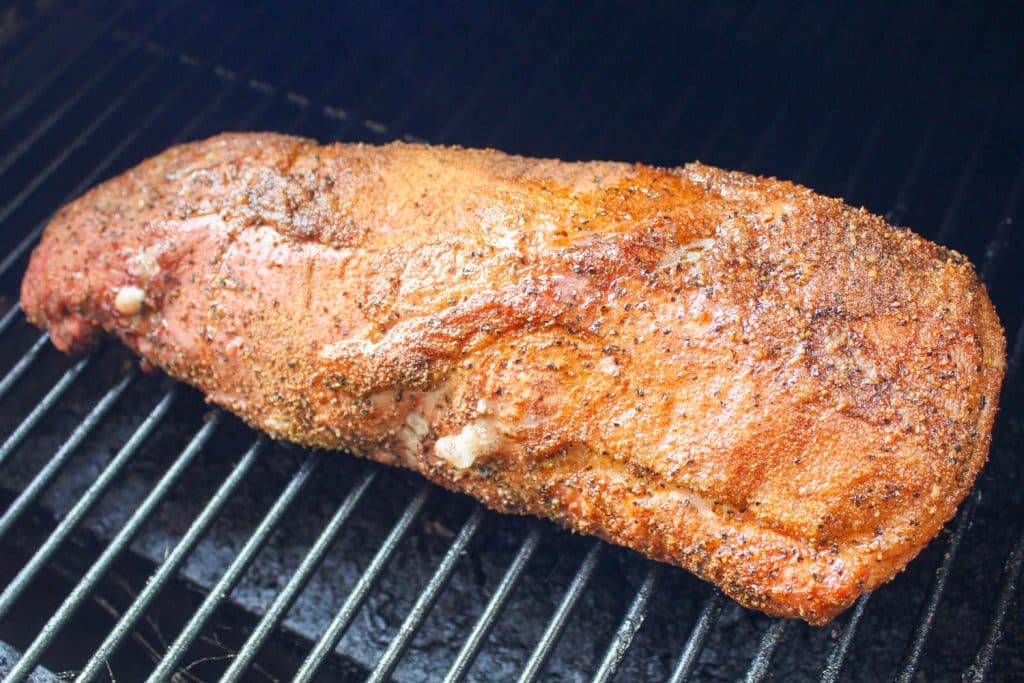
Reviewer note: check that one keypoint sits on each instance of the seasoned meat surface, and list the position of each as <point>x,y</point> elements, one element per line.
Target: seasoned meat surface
<point>775,390</point>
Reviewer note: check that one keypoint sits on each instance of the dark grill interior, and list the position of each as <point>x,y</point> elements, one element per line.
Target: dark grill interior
<point>143,533</point>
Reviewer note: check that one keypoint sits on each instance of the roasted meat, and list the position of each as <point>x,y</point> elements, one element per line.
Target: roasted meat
<point>775,390</point>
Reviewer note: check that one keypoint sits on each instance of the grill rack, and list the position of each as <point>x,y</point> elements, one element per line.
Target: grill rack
<point>132,42</point>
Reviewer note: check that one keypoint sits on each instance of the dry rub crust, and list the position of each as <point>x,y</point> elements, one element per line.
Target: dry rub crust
<point>775,390</point>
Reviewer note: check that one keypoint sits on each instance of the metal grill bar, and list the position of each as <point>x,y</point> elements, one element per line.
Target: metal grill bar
<point>329,640</point>
<point>286,598</point>
<point>223,93</point>
<point>12,314</point>
<point>358,111</point>
<point>428,597</point>
<point>970,169</point>
<point>43,84</point>
<point>631,623</point>
<point>673,114</point>
<point>173,562</point>
<point>923,629</point>
<point>770,642</point>
<point>978,671</point>
<point>712,607</point>
<point>16,54</point>
<point>835,15</point>
<point>1002,234</point>
<point>912,656</point>
<point>235,570</point>
<point>494,69</point>
<point>763,141</point>
<point>811,158</point>
<point>18,252</point>
<point>370,94</point>
<point>236,81</point>
<point>54,464</point>
<point>22,247</point>
<point>761,146</point>
<point>438,75</point>
<point>695,643</point>
<point>294,69</point>
<point>14,255</point>
<point>921,157</point>
<point>837,657</point>
<point>867,151</point>
<point>874,135</point>
<point>58,113</point>
<point>1011,572</point>
<point>717,130</point>
<point>671,118</point>
<point>248,119</point>
<point>23,364</point>
<point>119,543</point>
<point>896,214</point>
<point>556,626</point>
<point>420,610</point>
<point>484,624</point>
<point>85,503</point>
<point>774,635</point>
<point>27,243</point>
<point>47,402</point>
<point>81,138</point>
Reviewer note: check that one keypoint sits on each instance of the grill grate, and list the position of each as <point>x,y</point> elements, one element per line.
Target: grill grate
<point>63,149</point>
<point>173,562</point>
<point>355,600</point>
<point>235,570</point>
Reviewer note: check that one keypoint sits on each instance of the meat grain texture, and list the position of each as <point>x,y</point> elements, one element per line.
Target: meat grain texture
<point>777,391</point>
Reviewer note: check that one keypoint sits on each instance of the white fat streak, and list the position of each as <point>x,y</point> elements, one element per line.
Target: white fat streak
<point>338,349</point>
<point>507,241</point>
<point>624,418</point>
<point>799,350</point>
<point>276,422</point>
<point>609,366</point>
<point>411,435</point>
<point>477,438</point>
<point>414,431</point>
<point>679,494</point>
<point>691,498</point>
<point>685,253</point>
<point>496,224</point>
